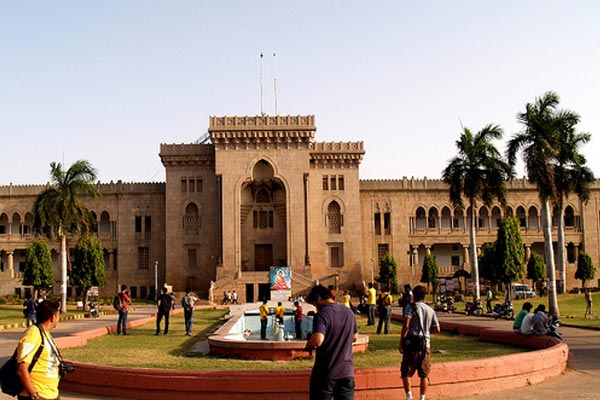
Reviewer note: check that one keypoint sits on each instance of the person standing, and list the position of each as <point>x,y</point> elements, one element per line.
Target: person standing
<point>187,303</point>
<point>488,299</point>
<point>588,302</point>
<point>234,298</point>
<point>334,332</point>
<point>407,297</point>
<point>164,304</point>
<point>371,300</point>
<point>298,320</point>
<point>346,299</point>
<point>42,381</point>
<point>29,310</point>
<point>384,308</point>
<point>264,318</point>
<point>420,321</point>
<point>280,312</point>
<point>123,310</point>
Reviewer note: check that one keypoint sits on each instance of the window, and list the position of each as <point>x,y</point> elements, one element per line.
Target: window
<point>332,183</point>
<point>148,224</point>
<point>340,182</point>
<point>191,220</point>
<point>138,224</point>
<point>334,217</point>
<point>143,257</point>
<point>386,223</point>
<point>336,255</point>
<point>183,185</point>
<point>325,182</point>
<point>431,222</point>
<point>144,292</point>
<point>377,220</point>
<point>262,219</point>
<point>455,223</point>
<point>192,259</point>
<point>192,185</point>
<point>455,261</point>
<point>199,185</point>
<point>382,250</point>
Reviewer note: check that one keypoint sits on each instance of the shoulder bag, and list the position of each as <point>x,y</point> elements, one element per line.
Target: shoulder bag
<point>9,379</point>
<point>415,343</point>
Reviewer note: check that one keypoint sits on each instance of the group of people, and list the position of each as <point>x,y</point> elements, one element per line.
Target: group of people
<point>536,323</point>
<point>279,313</point>
<point>335,330</point>
<point>229,297</point>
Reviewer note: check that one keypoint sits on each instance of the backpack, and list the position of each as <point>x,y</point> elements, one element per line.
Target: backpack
<point>117,303</point>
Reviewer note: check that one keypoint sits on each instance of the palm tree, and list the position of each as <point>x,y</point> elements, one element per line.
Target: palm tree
<point>478,172</point>
<point>539,143</point>
<point>58,209</point>
<point>572,176</point>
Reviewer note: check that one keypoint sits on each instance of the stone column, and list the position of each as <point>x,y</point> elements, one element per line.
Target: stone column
<point>10,263</point>
<point>527,252</point>
<point>466,258</point>
<point>111,259</point>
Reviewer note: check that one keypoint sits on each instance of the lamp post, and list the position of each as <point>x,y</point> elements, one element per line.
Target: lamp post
<point>415,253</point>
<point>155,280</point>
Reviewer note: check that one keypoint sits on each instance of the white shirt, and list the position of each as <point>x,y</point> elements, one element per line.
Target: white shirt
<point>527,325</point>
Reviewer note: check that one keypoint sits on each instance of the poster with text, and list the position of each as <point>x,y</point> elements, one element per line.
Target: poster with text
<point>281,283</point>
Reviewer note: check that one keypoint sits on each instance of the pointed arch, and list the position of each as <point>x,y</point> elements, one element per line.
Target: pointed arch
<point>334,217</point>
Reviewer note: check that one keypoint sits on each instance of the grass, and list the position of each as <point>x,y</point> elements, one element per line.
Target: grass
<point>571,306</point>
<point>142,349</point>
<point>13,314</point>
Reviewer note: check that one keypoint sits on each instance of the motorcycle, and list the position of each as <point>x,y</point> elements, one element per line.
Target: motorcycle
<point>554,324</point>
<point>443,303</point>
<point>474,308</point>
<point>94,312</point>
<point>504,310</point>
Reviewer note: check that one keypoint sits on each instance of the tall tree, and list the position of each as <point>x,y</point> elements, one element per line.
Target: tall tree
<point>572,176</point>
<point>88,267</point>
<point>388,272</point>
<point>430,272</point>
<point>38,270</point>
<point>539,143</point>
<point>477,173</point>
<point>585,268</point>
<point>536,269</point>
<point>58,209</point>
<point>510,251</point>
<point>488,263</point>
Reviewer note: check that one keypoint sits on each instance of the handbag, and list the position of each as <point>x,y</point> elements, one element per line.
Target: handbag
<point>414,343</point>
<point>9,379</point>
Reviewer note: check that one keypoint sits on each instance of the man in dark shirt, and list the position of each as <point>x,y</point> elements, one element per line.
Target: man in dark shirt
<point>334,331</point>
<point>164,303</point>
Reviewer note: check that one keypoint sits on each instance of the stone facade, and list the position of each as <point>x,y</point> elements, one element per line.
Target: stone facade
<point>264,193</point>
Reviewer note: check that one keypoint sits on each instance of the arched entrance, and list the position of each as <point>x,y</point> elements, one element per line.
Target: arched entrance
<point>263,220</point>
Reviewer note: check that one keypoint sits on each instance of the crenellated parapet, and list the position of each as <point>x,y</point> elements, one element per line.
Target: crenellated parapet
<point>199,155</point>
<point>262,132</point>
<point>104,188</point>
<point>336,154</point>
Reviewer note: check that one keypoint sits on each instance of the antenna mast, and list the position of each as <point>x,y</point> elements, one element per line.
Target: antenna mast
<point>262,108</point>
<point>275,82</point>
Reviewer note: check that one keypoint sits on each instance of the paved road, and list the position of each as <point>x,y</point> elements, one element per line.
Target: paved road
<point>580,382</point>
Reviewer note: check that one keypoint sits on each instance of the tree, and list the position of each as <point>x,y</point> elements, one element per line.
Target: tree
<point>478,172</point>
<point>572,176</point>
<point>585,268</point>
<point>388,272</point>
<point>38,270</point>
<point>58,209</point>
<point>510,251</point>
<point>88,265</point>
<point>536,269</point>
<point>430,272</point>
<point>488,263</point>
<point>539,143</point>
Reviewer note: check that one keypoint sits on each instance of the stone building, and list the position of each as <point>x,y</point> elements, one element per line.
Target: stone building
<point>264,193</point>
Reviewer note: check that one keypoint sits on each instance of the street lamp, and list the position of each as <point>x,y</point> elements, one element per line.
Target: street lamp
<point>415,254</point>
<point>155,280</point>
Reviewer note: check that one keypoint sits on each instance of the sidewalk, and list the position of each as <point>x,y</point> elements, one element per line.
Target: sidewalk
<point>578,383</point>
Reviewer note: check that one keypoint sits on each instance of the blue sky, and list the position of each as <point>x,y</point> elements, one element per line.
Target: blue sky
<point>109,81</point>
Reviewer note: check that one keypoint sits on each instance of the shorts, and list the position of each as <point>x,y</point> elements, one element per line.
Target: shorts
<point>415,362</point>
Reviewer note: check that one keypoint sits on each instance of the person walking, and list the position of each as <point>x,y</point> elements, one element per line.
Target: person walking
<point>420,321</point>
<point>371,294</point>
<point>334,332</point>
<point>164,304</point>
<point>489,296</point>
<point>124,301</point>
<point>588,303</point>
<point>298,320</point>
<point>264,318</point>
<point>29,311</point>
<point>37,347</point>
<point>187,303</point>
<point>384,308</point>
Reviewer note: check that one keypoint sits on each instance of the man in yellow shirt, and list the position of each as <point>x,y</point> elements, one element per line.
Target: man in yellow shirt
<point>264,318</point>
<point>280,312</point>
<point>42,382</point>
<point>371,299</point>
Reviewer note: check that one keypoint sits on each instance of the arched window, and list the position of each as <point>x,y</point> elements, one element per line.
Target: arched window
<point>496,216</point>
<point>433,216</point>
<point>104,223</point>
<point>16,224</point>
<point>533,220</point>
<point>421,218</point>
<point>334,217</point>
<point>569,217</point>
<point>446,218</point>
<point>28,223</point>
<point>483,217</point>
<point>522,217</point>
<point>262,196</point>
<point>3,224</point>
<point>191,221</point>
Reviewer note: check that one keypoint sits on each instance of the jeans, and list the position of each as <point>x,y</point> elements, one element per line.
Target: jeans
<point>263,328</point>
<point>159,318</point>
<point>298,326</point>
<point>188,315</point>
<point>122,322</point>
<point>324,389</point>
<point>384,318</point>
<point>30,319</point>
<point>370,314</point>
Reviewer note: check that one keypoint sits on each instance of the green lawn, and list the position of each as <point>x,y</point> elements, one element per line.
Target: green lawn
<point>13,314</point>
<point>571,306</point>
<point>142,349</point>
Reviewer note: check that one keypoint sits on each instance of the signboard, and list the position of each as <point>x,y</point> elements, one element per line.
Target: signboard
<point>281,283</point>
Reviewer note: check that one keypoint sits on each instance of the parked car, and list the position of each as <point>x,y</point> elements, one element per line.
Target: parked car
<point>522,291</point>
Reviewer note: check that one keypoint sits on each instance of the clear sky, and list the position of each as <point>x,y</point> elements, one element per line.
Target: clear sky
<point>110,80</point>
